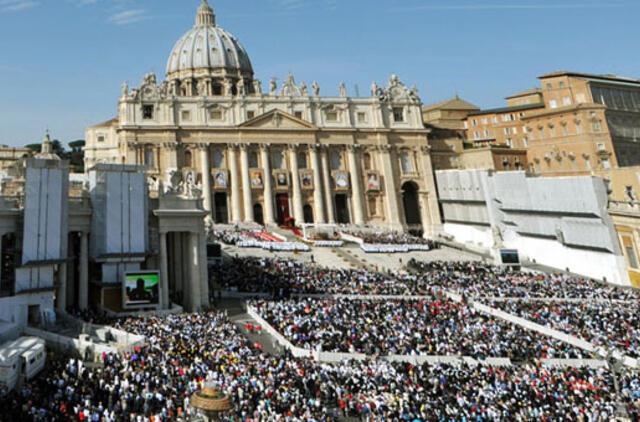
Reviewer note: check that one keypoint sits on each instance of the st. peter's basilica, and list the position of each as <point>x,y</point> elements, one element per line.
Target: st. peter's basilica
<point>274,154</point>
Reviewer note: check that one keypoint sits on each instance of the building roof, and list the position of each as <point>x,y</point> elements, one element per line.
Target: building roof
<point>108,123</point>
<point>207,46</point>
<point>452,104</point>
<point>507,109</point>
<point>607,78</point>
<point>525,93</point>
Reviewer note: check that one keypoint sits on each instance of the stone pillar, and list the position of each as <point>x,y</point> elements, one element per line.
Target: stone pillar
<point>431,219</point>
<point>204,272</point>
<point>164,272</point>
<point>356,185</point>
<point>298,215</point>
<point>326,179</point>
<point>246,183</point>
<point>317,188</point>
<point>391,193</point>
<point>83,288</point>
<point>236,215</point>
<point>269,218</point>
<point>206,178</point>
<point>195,277</point>
<point>61,297</point>
<point>178,261</point>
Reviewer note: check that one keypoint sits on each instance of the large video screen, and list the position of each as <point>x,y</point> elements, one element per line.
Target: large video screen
<point>510,257</point>
<point>141,289</point>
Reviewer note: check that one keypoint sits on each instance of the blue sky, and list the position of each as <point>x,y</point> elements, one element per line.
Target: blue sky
<point>62,62</point>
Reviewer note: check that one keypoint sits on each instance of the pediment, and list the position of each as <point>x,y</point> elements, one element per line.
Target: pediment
<point>277,119</point>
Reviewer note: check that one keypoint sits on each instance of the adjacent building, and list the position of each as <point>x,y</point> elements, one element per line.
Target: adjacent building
<point>274,156</point>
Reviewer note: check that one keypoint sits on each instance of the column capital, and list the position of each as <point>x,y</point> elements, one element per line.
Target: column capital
<point>385,148</point>
<point>202,146</point>
<point>264,147</point>
<point>316,147</point>
<point>173,146</point>
<point>232,146</point>
<point>425,148</point>
<point>292,147</point>
<point>353,147</point>
<point>243,147</point>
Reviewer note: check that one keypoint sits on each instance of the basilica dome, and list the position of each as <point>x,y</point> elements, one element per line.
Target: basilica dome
<point>208,49</point>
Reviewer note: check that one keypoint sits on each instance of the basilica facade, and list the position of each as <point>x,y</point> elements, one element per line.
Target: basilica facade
<point>273,155</point>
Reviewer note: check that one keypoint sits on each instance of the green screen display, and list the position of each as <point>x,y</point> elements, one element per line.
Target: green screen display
<point>141,289</point>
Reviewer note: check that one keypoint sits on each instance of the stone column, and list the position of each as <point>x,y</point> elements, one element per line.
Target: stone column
<point>171,149</point>
<point>206,178</point>
<point>83,288</point>
<point>326,179</point>
<point>204,272</point>
<point>164,272</point>
<point>317,188</point>
<point>298,215</point>
<point>391,193</point>
<point>195,277</point>
<point>431,219</point>
<point>356,185</point>
<point>246,183</point>
<point>236,215</point>
<point>61,302</point>
<point>268,186</point>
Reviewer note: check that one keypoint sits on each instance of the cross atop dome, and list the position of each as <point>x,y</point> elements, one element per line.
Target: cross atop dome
<point>205,16</point>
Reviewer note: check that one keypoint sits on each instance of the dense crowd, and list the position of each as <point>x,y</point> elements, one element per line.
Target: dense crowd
<point>471,279</point>
<point>187,351</point>
<point>389,237</point>
<point>428,326</point>
<point>475,279</point>
<point>603,324</point>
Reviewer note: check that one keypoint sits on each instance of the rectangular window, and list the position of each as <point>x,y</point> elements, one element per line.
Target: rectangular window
<point>515,130</point>
<point>476,134</point>
<point>525,142</point>
<point>466,125</point>
<point>507,131</point>
<point>398,114</point>
<point>596,126</point>
<point>474,122</point>
<point>362,118</point>
<point>605,164</point>
<point>566,101</point>
<point>553,103</point>
<point>101,138</point>
<point>148,157</point>
<point>251,115</point>
<point>186,115</point>
<point>215,114</point>
<point>147,112</point>
<point>541,133</point>
<point>549,86</point>
<point>565,130</point>
<point>631,254</point>
<point>298,114</point>
<point>486,133</point>
<point>560,84</point>
<point>484,121</point>
<point>510,142</point>
<point>332,116</point>
<point>578,128</point>
<point>495,119</point>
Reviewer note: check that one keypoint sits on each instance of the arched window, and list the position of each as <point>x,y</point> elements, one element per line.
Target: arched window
<point>253,160</point>
<point>336,160</point>
<point>277,159</point>
<point>187,159</point>
<point>302,160</point>
<point>405,161</point>
<point>218,159</point>
<point>366,158</point>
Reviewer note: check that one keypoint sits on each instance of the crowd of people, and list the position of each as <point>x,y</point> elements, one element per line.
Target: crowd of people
<point>188,351</point>
<point>603,324</point>
<point>389,237</point>
<point>476,279</point>
<point>428,326</point>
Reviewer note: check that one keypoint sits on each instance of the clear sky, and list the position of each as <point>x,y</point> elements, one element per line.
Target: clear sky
<point>62,62</point>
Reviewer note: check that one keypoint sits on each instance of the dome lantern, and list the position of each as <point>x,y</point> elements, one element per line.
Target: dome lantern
<point>205,16</point>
